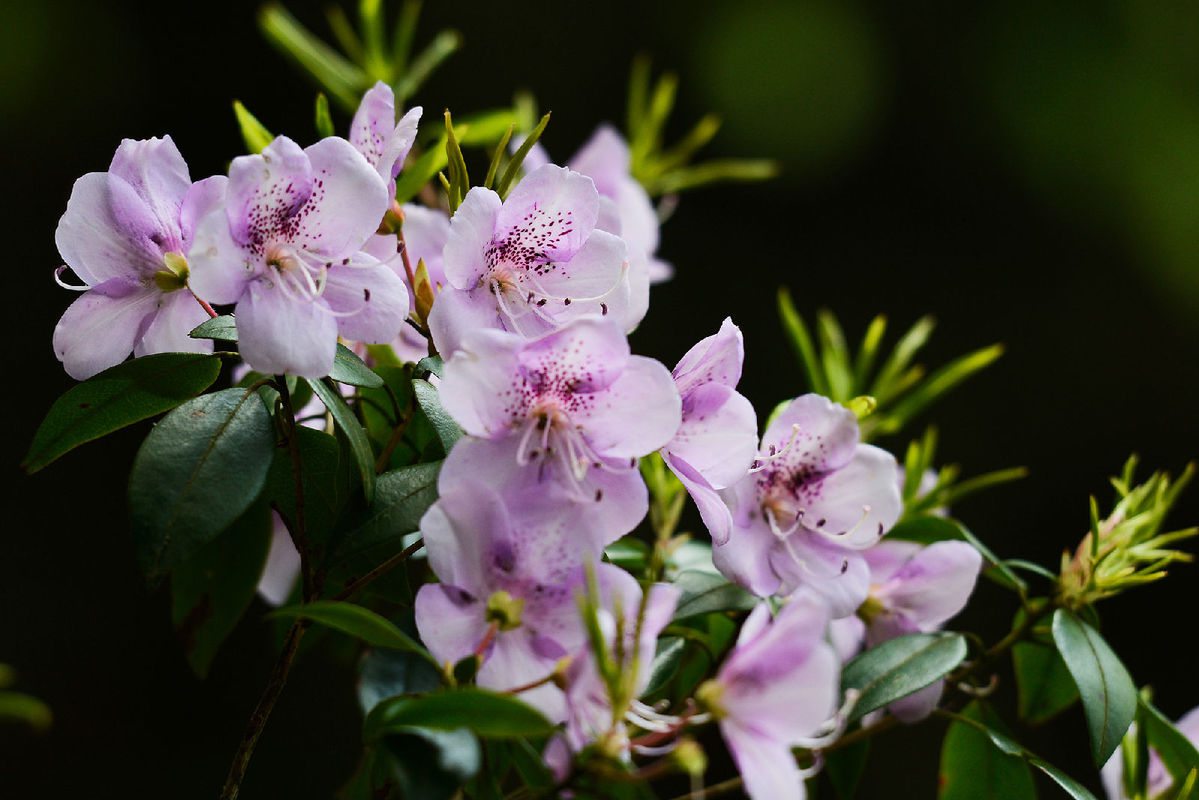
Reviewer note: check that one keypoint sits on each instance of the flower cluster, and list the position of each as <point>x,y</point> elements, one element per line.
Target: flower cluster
<point>513,429</point>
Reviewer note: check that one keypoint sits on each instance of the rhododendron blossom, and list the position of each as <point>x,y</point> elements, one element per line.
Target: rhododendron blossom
<point>531,263</point>
<point>286,245</point>
<point>777,690</point>
<point>126,233</point>
<point>816,499</point>
<point>717,440</point>
<point>383,142</point>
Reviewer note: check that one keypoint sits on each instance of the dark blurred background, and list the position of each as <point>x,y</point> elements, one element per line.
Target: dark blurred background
<point>1027,172</point>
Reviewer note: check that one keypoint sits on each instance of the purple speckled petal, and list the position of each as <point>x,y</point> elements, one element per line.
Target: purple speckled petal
<point>372,302</point>
<point>637,414</point>
<point>745,557</point>
<point>282,336</point>
<point>715,359</point>
<point>588,273</point>
<point>348,200</point>
<point>373,123</point>
<point>266,191</point>
<point>858,502</point>
<point>551,212</point>
<point>480,381</point>
<point>471,230</point>
<point>177,315</point>
<point>584,357</point>
<point>100,328</point>
<point>827,437</point>
<point>840,576</point>
<point>457,314</point>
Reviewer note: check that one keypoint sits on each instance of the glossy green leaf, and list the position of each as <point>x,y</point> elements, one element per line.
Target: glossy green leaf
<point>898,667</point>
<point>486,713</point>
<point>198,471</point>
<point>212,590</point>
<point>430,403</point>
<point>384,674</point>
<point>431,764</point>
<point>360,445</point>
<point>844,767</point>
<point>629,553</point>
<point>704,593</point>
<point>1177,752</point>
<point>116,398</point>
<point>1044,686</point>
<point>666,662</point>
<point>433,364</point>
<point>1109,697</point>
<point>326,485</point>
<point>349,369</point>
<point>359,622</point>
<point>973,768</point>
<point>223,328</point>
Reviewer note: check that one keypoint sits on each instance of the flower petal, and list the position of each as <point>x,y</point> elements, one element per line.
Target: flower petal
<point>745,557</point>
<point>934,585</point>
<point>281,336</point>
<point>99,329</point>
<point>477,381</point>
<point>712,509</point>
<point>471,230</point>
<point>858,502</point>
<point>158,174</point>
<point>348,199</point>
<point>715,359</point>
<point>449,625</point>
<point>456,314</point>
<point>826,437</point>
<point>372,300</point>
<point>767,767</point>
<point>107,231</point>
<point>718,436</point>
<point>587,274</point>
<point>373,124</point>
<point>553,210</point>
<point>637,414</point>
<point>220,268</point>
<point>266,190</point>
<point>840,576</point>
<point>177,315</point>
<point>282,565</point>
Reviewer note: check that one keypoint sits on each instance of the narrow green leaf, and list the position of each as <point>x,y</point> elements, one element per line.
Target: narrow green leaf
<point>25,709</point>
<point>483,128</point>
<point>370,19</point>
<point>324,120</point>
<point>834,355</point>
<point>198,471</point>
<point>868,352</point>
<point>418,174</point>
<point>497,156</point>
<point>899,667</point>
<point>973,768</point>
<point>360,446</point>
<point>211,591</point>
<point>801,342</point>
<point>116,398</point>
<point>344,33</point>
<point>253,132</point>
<point>405,32</point>
<point>938,384</point>
<point>1109,698</point>
<point>359,622</point>
<point>726,170</point>
<point>704,593</point>
<point>884,386</point>
<point>430,403</point>
<point>351,370</point>
<point>223,328</point>
<point>340,78</point>
<point>666,662</point>
<point>486,713</point>
<point>518,158</point>
<point>639,76</point>
<point>1177,752</point>
<point>444,45</point>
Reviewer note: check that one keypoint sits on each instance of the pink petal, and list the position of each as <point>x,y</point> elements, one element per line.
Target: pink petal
<point>479,382</point>
<point>106,231</point>
<point>159,176</point>
<point>450,626</point>
<point>715,359</point>
<point>639,413</point>
<point>266,190</point>
<point>99,329</point>
<point>718,436</point>
<point>827,436</point>
<point>281,336</point>
<point>348,200</point>
<point>471,230</point>
<point>372,302</point>
<point>767,767</point>
<point>711,506</point>
<point>282,565</point>
<point>934,585</point>
<point>177,315</point>
<point>860,501</point>
<point>552,209</point>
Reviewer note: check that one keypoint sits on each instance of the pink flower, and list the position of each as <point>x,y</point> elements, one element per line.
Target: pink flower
<point>286,245</point>
<point>816,499</point>
<point>125,233</point>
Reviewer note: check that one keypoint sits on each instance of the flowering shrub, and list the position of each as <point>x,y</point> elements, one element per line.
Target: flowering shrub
<point>432,436</point>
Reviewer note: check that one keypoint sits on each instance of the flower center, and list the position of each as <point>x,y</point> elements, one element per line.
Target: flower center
<point>173,276</point>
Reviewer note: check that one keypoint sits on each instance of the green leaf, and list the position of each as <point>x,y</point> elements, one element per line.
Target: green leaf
<point>384,674</point>
<point>629,553</point>
<point>929,528</point>
<point>444,44</point>
<point>349,369</point>
<point>341,79</point>
<point>418,173</point>
<point>974,768</point>
<point>116,398</point>
<point>359,622</point>
<point>433,364</point>
<point>666,662</point>
<point>326,485</point>
<point>1043,684</point>
<point>430,403</point>
<point>25,708</point>
<point>844,767</point>
<point>518,158</point>
<point>899,667</point>
<point>324,120</point>
<point>1177,752</point>
<point>937,385</point>
<point>360,446</point>
<point>801,342</point>
<point>223,328</point>
<point>198,471</point>
<point>704,593</point>
<point>212,590</point>
<point>1007,745</point>
<point>885,385</point>
<point>486,713</point>
<point>253,132</point>
<point>1109,698</point>
<point>431,764</point>
<point>402,497</point>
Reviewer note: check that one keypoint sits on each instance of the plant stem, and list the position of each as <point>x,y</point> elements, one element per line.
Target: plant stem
<point>262,711</point>
<point>396,436</point>
<point>379,571</point>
